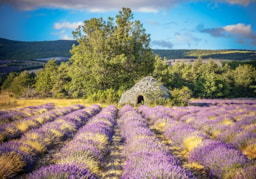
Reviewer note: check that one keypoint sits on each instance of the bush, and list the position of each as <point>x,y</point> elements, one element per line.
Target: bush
<point>105,96</point>
<point>181,97</point>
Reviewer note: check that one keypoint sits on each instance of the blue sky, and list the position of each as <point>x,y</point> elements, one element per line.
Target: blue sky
<point>172,24</point>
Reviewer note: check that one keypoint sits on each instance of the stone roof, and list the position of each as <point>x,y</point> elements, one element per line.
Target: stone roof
<point>145,91</point>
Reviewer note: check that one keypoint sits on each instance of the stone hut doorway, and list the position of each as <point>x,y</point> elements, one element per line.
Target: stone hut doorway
<point>140,99</point>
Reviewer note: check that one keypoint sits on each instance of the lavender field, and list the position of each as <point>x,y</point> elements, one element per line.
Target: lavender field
<point>208,139</point>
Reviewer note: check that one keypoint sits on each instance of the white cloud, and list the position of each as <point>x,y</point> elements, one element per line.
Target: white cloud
<point>243,33</point>
<point>239,29</point>
<point>64,28</point>
<point>65,37</point>
<point>67,25</point>
<point>235,29</point>
<point>187,38</point>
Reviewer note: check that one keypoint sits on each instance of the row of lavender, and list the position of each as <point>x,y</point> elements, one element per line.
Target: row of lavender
<point>222,159</point>
<point>146,156</point>
<point>7,116</point>
<point>28,108</point>
<point>210,102</point>
<point>234,124</point>
<point>81,157</point>
<point>17,128</point>
<point>20,155</point>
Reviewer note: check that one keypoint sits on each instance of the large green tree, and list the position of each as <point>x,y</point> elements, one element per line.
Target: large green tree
<point>110,54</point>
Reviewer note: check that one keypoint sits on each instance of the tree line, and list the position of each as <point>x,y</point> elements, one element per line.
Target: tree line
<point>208,79</point>
<point>111,55</point>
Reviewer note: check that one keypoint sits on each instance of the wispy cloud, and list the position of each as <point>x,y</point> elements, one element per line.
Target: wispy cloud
<point>103,5</point>
<point>242,2</point>
<point>187,37</point>
<point>243,33</point>
<point>64,28</point>
<point>63,35</point>
<point>67,25</point>
<point>162,43</point>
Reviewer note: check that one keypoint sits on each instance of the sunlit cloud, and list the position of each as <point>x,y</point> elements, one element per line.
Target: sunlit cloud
<point>242,2</point>
<point>239,29</point>
<point>65,27</point>
<point>243,33</point>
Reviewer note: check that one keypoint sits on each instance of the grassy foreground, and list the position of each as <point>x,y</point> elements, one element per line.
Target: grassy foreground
<point>7,102</point>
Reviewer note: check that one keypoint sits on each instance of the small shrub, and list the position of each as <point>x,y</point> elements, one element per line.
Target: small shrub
<point>105,96</point>
<point>181,97</point>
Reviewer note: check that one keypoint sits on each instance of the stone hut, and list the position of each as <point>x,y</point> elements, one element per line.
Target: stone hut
<point>145,91</point>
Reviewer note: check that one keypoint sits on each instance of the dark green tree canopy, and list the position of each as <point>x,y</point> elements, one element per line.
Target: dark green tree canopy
<point>109,53</point>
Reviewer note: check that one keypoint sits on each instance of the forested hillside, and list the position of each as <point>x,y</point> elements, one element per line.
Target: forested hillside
<point>16,50</point>
<point>206,54</point>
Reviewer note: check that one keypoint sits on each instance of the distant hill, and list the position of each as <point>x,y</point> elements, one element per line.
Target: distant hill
<point>18,50</point>
<point>208,54</point>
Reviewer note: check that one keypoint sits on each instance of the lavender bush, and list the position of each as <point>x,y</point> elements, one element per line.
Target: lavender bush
<point>37,141</point>
<point>146,157</point>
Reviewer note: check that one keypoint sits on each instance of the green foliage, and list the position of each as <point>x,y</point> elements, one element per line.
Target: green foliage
<point>244,80</point>
<point>208,79</point>
<point>105,96</point>
<point>46,79</point>
<point>8,81</point>
<point>161,70</point>
<point>60,88</point>
<point>161,101</point>
<point>213,86</point>
<point>181,97</point>
<point>234,64</point>
<point>109,54</point>
<point>21,83</point>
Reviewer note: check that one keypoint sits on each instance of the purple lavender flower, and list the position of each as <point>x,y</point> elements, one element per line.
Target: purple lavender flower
<point>59,171</point>
<point>247,172</point>
<point>243,139</point>
<point>218,156</point>
<point>143,149</point>
<point>153,165</point>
